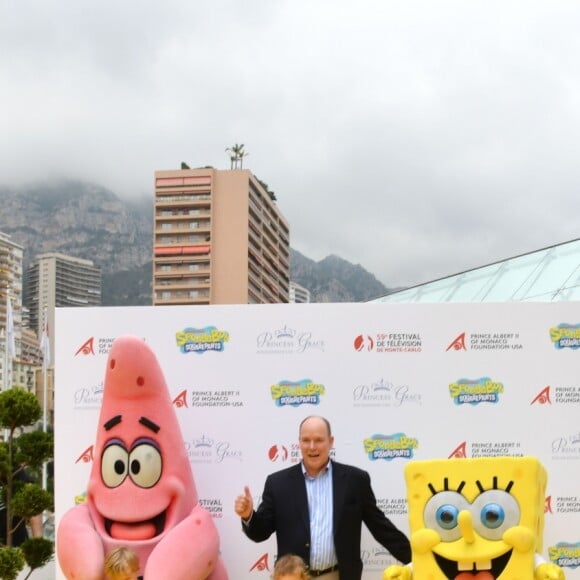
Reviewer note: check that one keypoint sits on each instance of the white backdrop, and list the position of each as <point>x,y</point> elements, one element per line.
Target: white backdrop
<point>373,370</point>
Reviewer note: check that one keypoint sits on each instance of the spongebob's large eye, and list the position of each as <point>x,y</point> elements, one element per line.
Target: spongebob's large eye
<point>447,516</point>
<point>114,463</point>
<point>492,516</point>
<point>494,512</point>
<point>145,464</point>
<point>441,513</point>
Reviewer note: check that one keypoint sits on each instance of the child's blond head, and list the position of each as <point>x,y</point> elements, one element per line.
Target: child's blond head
<point>121,563</point>
<point>290,567</point>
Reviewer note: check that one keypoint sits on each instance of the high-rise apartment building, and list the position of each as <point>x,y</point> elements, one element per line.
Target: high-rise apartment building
<point>219,238</point>
<point>55,280</point>
<point>11,255</point>
<point>299,294</point>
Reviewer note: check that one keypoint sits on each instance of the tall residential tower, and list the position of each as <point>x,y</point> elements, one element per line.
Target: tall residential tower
<point>59,280</point>
<point>11,255</point>
<point>219,238</point>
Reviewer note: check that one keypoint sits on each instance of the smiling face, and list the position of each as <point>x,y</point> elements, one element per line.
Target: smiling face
<point>315,444</point>
<point>475,519</point>
<point>141,483</point>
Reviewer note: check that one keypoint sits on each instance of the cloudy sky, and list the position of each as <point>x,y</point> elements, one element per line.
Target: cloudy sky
<point>417,138</point>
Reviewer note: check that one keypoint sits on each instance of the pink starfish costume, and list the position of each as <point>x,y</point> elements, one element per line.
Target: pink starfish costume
<point>141,491</point>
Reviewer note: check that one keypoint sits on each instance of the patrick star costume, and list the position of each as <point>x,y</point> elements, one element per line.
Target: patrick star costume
<point>141,491</point>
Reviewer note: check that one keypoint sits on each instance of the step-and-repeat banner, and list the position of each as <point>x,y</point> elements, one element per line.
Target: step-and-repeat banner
<point>397,382</point>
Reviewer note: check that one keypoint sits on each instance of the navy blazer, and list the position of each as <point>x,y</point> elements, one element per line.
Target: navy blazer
<point>284,510</point>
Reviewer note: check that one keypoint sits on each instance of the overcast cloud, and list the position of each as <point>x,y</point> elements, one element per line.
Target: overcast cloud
<point>417,138</point>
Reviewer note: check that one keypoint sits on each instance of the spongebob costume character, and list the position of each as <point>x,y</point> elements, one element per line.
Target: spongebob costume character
<point>476,519</point>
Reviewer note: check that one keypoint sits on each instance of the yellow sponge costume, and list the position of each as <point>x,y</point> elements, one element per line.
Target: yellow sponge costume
<point>476,519</point>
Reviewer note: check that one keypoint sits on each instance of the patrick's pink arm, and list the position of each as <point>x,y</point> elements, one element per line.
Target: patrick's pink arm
<point>79,548</point>
<point>189,551</point>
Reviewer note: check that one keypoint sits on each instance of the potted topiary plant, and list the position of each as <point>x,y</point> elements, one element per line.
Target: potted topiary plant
<point>22,455</point>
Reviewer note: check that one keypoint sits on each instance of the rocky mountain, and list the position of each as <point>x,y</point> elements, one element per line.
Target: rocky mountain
<point>88,221</point>
<point>334,279</point>
<point>81,220</point>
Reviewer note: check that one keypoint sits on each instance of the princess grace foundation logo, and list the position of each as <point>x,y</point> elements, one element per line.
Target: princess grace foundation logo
<point>287,340</point>
<point>566,446</point>
<point>204,449</point>
<point>377,559</point>
<point>89,397</point>
<point>383,393</point>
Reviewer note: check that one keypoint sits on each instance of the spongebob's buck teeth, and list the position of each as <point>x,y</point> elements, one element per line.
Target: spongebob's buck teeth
<point>469,566</point>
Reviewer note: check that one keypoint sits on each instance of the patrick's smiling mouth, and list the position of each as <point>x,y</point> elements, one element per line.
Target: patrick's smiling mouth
<point>143,530</point>
<point>458,571</point>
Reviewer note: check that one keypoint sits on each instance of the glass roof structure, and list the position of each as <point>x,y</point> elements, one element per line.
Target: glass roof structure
<point>547,275</point>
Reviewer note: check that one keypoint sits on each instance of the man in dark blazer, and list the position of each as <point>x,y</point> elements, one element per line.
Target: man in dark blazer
<point>285,510</point>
